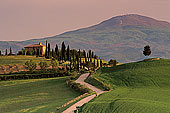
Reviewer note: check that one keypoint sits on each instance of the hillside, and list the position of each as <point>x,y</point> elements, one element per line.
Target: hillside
<point>121,37</point>
<point>138,87</point>
<point>34,95</point>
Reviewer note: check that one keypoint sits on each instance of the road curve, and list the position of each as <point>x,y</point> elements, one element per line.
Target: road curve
<point>87,99</point>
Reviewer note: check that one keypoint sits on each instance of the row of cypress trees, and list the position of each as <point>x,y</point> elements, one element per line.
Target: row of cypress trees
<point>73,56</point>
<point>6,52</point>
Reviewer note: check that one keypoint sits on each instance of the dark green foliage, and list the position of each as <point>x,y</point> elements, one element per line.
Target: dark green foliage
<point>97,62</point>
<point>147,50</point>
<point>112,62</point>
<point>30,65</point>
<point>49,50</point>
<point>53,53</point>
<point>46,50</point>
<point>68,53</point>
<point>57,52</point>
<point>10,52</point>
<point>0,53</point>
<point>78,87</point>
<point>101,64</point>
<point>54,64</point>
<point>6,52</point>
<point>43,65</point>
<point>63,51</point>
<point>92,54</point>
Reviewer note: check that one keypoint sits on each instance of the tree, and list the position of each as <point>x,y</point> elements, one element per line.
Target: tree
<point>97,62</point>
<point>77,57</point>
<point>63,50</point>
<point>0,53</point>
<point>30,65</point>
<point>94,63</point>
<point>57,51</point>
<point>10,53</point>
<point>43,65</point>
<point>53,53</point>
<point>68,53</point>
<point>92,55</point>
<point>101,63</point>
<point>147,51</point>
<point>46,51</point>
<point>49,51</point>
<point>84,54</point>
<point>112,62</point>
<point>6,52</point>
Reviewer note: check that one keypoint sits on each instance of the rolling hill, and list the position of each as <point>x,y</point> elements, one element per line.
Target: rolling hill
<point>120,37</point>
<point>140,87</point>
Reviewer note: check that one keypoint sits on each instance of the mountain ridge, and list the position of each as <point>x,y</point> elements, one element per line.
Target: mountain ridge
<point>120,37</point>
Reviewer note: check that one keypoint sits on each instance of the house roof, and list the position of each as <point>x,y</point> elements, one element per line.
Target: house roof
<point>34,45</point>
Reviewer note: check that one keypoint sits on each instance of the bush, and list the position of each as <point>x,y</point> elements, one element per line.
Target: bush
<point>78,87</point>
<point>43,65</point>
<point>54,64</point>
<point>30,65</point>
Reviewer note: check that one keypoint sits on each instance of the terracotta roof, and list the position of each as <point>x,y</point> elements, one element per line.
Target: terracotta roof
<point>34,45</point>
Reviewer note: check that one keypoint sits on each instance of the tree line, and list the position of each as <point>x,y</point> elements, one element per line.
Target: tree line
<point>77,59</point>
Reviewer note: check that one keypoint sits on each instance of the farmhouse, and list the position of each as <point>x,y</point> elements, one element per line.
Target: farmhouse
<point>35,49</point>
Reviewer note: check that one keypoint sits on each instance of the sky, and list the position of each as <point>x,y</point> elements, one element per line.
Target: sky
<point>31,19</point>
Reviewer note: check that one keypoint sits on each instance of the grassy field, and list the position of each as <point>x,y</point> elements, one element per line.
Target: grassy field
<point>141,87</point>
<point>38,95</point>
<point>5,60</point>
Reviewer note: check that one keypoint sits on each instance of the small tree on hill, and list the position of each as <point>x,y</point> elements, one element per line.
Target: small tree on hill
<point>147,51</point>
<point>68,53</point>
<point>0,53</point>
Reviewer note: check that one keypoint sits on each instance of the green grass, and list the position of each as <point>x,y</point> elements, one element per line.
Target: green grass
<point>141,87</point>
<point>35,95</point>
<point>20,59</point>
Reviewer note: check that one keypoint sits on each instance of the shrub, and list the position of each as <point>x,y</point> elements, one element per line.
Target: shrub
<point>54,64</point>
<point>43,65</point>
<point>30,65</point>
<point>78,87</point>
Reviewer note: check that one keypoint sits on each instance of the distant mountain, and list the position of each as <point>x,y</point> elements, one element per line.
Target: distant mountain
<point>121,37</point>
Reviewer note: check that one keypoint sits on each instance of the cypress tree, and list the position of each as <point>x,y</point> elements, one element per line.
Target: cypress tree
<point>97,62</point>
<point>68,53</point>
<point>49,50</point>
<point>46,51</point>
<point>84,54</point>
<point>80,63</point>
<point>77,57</point>
<point>53,53</point>
<point>10,52</point>
<point>57,52</point>
<point>92,55</point>
<point>79,53</point>
<point>87,57</point>
<point>63,49</point>
<point>0,53</point>
<point>100,62</point>
<point>6,52</point>
<point>94,63</point>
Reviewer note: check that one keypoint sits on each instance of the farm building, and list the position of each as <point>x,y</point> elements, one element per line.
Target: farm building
<point>35,49</point>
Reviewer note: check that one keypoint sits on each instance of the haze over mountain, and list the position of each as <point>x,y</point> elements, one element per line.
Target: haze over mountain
<point>121,37</point>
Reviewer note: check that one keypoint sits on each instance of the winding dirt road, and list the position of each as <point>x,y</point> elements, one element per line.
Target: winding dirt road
<point>87,99</point>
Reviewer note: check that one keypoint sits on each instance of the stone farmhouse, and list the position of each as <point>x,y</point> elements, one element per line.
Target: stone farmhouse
<point>37,49</point>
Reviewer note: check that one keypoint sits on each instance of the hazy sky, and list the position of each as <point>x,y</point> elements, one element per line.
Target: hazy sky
<point>28,19</point>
